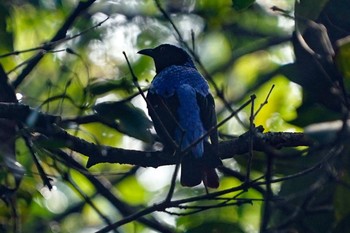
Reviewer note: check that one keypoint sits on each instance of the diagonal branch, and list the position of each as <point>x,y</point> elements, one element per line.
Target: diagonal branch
<point>61,34</point>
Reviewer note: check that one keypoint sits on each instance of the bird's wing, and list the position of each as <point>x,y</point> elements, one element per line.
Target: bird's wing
<point>164,116</point>
<point>208,116</point>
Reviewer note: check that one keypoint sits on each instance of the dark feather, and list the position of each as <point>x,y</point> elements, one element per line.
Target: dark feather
<point>208,117</point>
<point>165,109</point>
<point>175,73</point>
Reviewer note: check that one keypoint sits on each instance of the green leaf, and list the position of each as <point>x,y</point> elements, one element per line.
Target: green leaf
<point>342,57</point>
<point>132,191</point>
<point>6,36</point>
<point>132,120</point>
<point>309,113</point>
<point>291,72</point>
<point>216,227</point>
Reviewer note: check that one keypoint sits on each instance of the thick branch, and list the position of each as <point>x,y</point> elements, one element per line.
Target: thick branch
<point>47,125</point>
<point>27,115</point>
<point>227,149</point>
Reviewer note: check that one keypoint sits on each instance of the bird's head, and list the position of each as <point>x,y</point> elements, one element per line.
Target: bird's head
<point>167,55</point>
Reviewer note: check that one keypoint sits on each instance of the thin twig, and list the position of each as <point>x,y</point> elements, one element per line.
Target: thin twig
<point>200,208</point>
<point>251,135</point>
<point>209,131</point>
<point>268,194</point>
<point>219,93</point>
<point>283,12</point>
<point>265,101</point>
<point>163,206</point>
<point>165,14</point>
<point>53,43</point>
<point>104,190</point>
<point>87,199</point>
<point>41,52</point>
<point>46,180</point>
<point>173,182</point>
<point>60,34</point>
<point>149,105</point>
<point>177,148</point>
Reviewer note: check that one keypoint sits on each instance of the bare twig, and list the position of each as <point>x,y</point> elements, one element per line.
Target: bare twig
<point>176,154</point>
<point>163,206</point>
<point>209,131</point>
<point>46,180</point>
<point>251,135</point>
<point>268,194</point>
<point>165,14</point>
<point>208,77</point>
<point>87,199</point>
<point>149,105</point>
<point>265,102</point>
<point>53,43</point>
<point>61,34</point>
<point>103,189</point>
<point>283,12</point>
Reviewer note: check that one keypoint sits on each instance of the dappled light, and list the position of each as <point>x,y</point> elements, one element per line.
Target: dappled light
<point>89,142</point>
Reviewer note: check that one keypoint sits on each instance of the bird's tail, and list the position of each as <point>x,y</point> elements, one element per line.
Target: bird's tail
<point>210,161</point>
<point>210,178</point>
<point>191,171</point>
<point>196,170</point>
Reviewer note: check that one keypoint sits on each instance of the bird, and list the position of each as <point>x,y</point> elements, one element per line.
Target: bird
<point>182,109</point>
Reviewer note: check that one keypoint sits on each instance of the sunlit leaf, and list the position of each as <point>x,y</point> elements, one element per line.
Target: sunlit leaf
<point>132,191</point>
<point>243,48</point>
<point>216,227</point>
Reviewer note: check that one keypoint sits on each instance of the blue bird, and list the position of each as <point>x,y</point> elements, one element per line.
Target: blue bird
<point>182,111</point>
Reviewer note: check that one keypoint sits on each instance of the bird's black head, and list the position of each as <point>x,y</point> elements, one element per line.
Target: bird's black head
<point>166,55</point>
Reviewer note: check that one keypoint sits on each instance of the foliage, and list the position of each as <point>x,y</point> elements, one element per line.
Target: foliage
<point>82,156</point>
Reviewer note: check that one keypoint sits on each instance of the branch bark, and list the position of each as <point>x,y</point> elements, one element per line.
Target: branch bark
<point>48,127</point>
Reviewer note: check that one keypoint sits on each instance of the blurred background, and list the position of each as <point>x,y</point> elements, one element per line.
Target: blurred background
<point>242,47</point>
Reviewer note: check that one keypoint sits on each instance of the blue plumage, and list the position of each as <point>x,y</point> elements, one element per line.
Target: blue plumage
<point>183,109</point>
<point>185,83</point>
<point>167,81</point>
<point>189,120</point>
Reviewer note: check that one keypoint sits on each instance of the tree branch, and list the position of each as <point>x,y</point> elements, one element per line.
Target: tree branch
<point>48,125</point>
<point>61,34</point>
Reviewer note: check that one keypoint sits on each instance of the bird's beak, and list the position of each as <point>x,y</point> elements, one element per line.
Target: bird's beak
<point>147,52</point>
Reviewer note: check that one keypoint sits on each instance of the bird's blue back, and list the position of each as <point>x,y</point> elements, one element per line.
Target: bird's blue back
<point>168,80</point>
<point>185,82</point>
